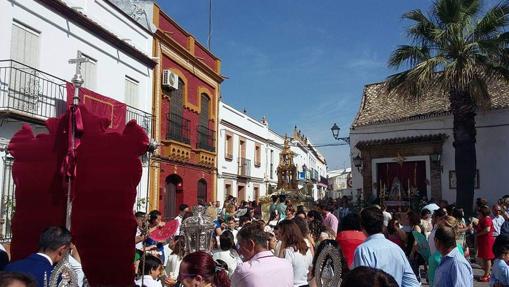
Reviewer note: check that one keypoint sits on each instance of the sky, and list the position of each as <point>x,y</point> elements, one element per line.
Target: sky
<point>300,63</point>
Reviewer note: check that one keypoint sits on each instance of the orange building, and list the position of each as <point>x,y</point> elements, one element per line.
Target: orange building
<point>186,94</point>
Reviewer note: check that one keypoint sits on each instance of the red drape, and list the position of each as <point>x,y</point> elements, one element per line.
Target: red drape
<point>413,172</point>
<point>108,170</point>
<point>101,106</point>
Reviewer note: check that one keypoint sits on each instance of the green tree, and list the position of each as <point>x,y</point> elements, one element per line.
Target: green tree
<point>458,48</point>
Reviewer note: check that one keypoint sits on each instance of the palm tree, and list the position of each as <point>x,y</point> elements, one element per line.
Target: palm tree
<point>457,49</point>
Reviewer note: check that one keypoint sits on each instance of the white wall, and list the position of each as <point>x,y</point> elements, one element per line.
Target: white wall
<point>492,149</point>
<point>59,41</point>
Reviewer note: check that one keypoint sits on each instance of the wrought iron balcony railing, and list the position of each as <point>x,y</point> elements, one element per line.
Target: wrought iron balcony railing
<point>144,119</point>
<point>206,138</point>
<point>30,92</point>
<point>244,167</point>
<point>178,128</point>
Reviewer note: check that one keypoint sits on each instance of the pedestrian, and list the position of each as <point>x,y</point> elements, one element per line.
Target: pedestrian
<point>329,220</point>
<point>260,268</point>
<point>350,237</point>
<point>436,218</point>
<point>379,252</point>
<point>227,253</point>
<point>295,250</point>
<point>500,271</point>
<point>183,208</point>
<point>497,219</point>
<point>281,206</point>
<point>14,279</point>
<point>198,269</point>
<point>485,240</point>
<point>175,257</point>
<point>395,234</point>
<point>54,244</point>
<point>152,269</point>
<point>368,277</point>
<point>454,269</point>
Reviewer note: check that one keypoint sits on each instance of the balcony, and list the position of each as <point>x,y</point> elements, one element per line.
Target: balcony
<point>244,167</point>
<point>29,93</point>
<point>178,128</point>
<point>144,119</point>
<point>206,139</point>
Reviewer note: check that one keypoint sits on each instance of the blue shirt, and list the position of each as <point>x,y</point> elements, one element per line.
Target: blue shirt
<point>454,271</point>
<point>378,252</point>
<point>499,273</point>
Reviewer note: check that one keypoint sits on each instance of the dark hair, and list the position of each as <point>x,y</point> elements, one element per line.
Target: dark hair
<point>253,231</point>
<point>302,224</point>
<point>180,246</point>
<point>183,207</point>
<point>226,240</point>
<point>326,205</point>
<point>282,198</point>
<point>201,263</point>
<point>274,198</point>
<point>54,237</point>
<point>501,245</point>
<point>244,219</point>
<point>291,209</point>
<point>7,278</point>
<point>352,221</point>
<point>446,235</point>
<point>413,218</point>
<point>151,263</point>
<point>484,210</point>
<point>291,236</point>
<point>315,214</point>
<point>425,211</point>
<point>139,214</point>
<point>439,213</point>
<point>152,216</point>
<point>458,213</point>
<point>319,249</point>
<point>391,226</point>
<point>316,227</point>
<point>372,220</point>
<point>363,276</point>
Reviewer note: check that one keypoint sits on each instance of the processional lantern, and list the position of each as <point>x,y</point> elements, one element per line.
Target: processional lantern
<point>197,230</point>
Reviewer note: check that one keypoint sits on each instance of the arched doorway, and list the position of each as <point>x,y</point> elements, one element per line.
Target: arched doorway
<point>173,196</point>
<point>202,191</point>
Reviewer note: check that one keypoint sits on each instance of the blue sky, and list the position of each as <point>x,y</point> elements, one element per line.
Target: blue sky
<point>299,62</point>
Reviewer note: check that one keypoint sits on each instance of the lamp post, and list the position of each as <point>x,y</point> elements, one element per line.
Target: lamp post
<point>335,133</point>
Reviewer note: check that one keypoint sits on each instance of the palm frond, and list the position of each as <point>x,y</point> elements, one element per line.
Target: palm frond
<point>478,90</point>
<point>471,7</point>
<point>409,55</point>
<point>424,29</point>
<point>493,21</point>
<point>448,11</point>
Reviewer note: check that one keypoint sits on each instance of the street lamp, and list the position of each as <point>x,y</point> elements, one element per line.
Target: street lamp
<point>335,133</point>
<point>357,162</point>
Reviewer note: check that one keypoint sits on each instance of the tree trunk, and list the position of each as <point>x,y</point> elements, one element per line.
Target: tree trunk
<point>463,110</point>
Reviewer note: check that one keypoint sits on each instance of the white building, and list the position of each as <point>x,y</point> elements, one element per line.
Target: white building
<point>39,38</point>
<point>413,141</point>
<point>311,165</point>
<point>340,183</point>
<point>248,155</point>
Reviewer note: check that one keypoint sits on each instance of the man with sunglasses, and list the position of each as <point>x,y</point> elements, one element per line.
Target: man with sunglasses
<point>260,268</point>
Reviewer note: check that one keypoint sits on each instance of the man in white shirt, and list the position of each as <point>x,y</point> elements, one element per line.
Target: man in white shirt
<point>497,219</point>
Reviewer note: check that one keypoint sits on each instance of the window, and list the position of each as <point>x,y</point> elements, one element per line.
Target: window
<point>271,164</point>
<point>25,45</point>
<point>131,92</point>
<point>88,72</point>
<point>204,111</point>
<point>228,147</point>
<point>256,191</point>
<point>257,155</point>
<point>178,127</point>
<point>228,189</point>
<point>205,135</point>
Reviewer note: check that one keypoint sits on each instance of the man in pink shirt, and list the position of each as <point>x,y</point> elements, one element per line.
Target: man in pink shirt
<point>260,268</point>
<point>329,219</point>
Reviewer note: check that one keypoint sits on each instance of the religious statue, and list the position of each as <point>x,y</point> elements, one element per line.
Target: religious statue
<point>395,193</point>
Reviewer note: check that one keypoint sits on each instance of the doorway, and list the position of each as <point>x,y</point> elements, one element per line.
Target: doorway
<point>174,193</point>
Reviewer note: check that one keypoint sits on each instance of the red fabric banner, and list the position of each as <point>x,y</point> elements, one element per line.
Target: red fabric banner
<point>101,106</point>
<point>107,171</point>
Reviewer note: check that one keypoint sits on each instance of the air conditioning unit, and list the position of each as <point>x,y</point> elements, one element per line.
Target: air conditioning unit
<point>170,79</point>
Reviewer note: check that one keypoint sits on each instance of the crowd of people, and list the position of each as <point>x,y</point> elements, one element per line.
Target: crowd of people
<point>379,246</point>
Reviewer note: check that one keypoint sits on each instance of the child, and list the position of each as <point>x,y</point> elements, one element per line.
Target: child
<point>500,271</point>
<point>153,268</point>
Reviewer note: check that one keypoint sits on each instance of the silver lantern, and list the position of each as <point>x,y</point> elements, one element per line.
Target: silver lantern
<point>197,230</point>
